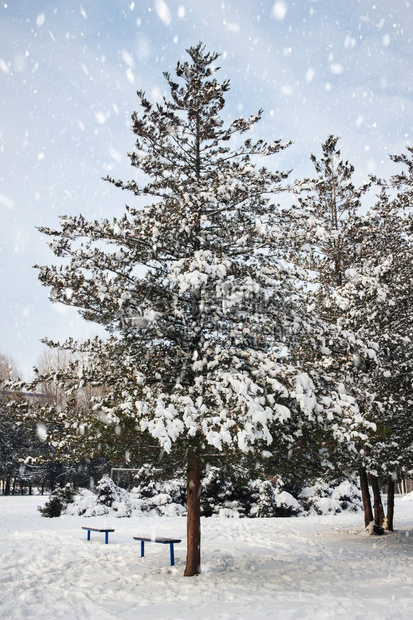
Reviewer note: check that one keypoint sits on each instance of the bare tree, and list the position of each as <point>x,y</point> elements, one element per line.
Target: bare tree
<point>53,363</point>
<point>8,369</point>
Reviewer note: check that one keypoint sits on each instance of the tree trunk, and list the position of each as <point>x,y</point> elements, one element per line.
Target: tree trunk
<point>378,506</point>
<point>365,493</point>
<point>193,557</point>
<point>390,505</point>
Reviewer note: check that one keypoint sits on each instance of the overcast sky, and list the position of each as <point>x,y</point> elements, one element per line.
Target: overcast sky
<point>69,72</point>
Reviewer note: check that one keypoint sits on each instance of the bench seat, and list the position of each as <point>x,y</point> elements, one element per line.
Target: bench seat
<point>160,540</point>
<point>97,529</point>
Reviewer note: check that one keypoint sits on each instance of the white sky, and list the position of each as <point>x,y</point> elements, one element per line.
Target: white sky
<point>69,72</point>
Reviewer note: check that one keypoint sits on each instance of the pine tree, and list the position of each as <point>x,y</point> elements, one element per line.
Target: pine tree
<point>321,238</point>
<point>361,278</point>
<point>15,446</point>
<point>377,300</point>
<point>190,283</point>
<point>16,440</point>
<point>320,222</point>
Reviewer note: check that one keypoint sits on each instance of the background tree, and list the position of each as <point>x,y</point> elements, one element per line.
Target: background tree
<point>8,370</point>
<point>14,447</point>
<point>58,456</point>
<point>15,438</point>
<point>320,238</point>
<point>51,364</point>
<point>377,300</point>
<point>201,310</point>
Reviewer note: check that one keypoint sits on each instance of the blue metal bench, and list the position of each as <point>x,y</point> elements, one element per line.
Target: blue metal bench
<point>162,541</point>
<point>95,529</point>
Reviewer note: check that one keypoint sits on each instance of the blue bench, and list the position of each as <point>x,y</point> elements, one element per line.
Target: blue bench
<point>162,541</point>
<point>95,529</point>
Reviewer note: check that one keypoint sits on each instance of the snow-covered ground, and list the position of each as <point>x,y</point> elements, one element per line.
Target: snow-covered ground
<point>314,567</point>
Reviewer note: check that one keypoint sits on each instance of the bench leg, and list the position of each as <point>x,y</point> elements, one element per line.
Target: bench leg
<point>106,538</point>
<point>88,534</point>
<point>172,554</point>
<point>142,549</point>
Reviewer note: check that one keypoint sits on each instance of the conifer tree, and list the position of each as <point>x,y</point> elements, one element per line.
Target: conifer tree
<point>201,309</point>
<point>321,239</point>
<point>377,301</point>
<point>360,269</point>
<point>320,222</point>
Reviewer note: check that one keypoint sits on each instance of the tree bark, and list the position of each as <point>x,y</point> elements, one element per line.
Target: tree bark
<point>365,493</point>
<point>193,557</point>
<point>378,506</point>
<point>390,504</point>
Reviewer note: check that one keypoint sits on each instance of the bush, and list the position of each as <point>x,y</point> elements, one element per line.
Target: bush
<point>223,494</point>
<point>216,492</point>
<point>107,491</point>
<point>324,498</point>
<point>107,497</point>
<point>146,483</point>
<point>57,502</point>
<point>270,501</point>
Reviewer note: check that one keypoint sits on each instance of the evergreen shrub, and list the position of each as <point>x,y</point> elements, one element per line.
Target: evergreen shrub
<point>57,502</point>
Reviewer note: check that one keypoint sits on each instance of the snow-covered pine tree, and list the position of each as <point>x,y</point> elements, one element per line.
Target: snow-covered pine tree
<point>320,221</point>
<point>198,353</point>
<point>320,237</point>
<point>376,300</point>
<point>16,444</point>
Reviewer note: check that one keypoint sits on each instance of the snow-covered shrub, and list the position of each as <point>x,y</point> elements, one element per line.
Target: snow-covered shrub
<point>165,497</point>
<point>112,496</point>
<point>286,505</point>
<point>330,498</point>
<point>163,505</point>
<point>57,502</point>
<point>221,496</point>
<point>215,492</point>
<point>224,494</point>
<point>263,499</point>
<point>176,489</point>
<point>84,504</point>
<point>146,483</point>
<point>122,508</point>
<point>162,499</point>
<point>231,509</point>
<point>107,491</point>
<point>107,497</point>
<point>270,501</point>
